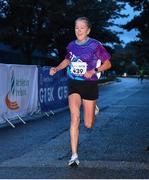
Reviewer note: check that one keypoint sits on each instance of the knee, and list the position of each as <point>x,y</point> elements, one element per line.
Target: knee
<point>74,124</point>
<point>75,120</point>
<point>88,125</point>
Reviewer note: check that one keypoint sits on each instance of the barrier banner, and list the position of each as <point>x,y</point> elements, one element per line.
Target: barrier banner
<point>53,90</point>
<point>18,89</point>
<point>3,87</point>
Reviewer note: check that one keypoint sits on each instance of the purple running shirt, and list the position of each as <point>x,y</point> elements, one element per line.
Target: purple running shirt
<point>85,57</point>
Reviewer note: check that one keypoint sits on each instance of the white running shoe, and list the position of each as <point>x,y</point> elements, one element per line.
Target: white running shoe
<point>96,110</point>
<point>74,161</point>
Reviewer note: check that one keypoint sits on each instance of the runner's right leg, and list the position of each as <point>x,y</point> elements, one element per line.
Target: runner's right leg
<point>74,105</point>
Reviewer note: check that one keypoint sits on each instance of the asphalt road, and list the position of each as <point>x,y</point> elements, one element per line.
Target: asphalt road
<point>117,146</point>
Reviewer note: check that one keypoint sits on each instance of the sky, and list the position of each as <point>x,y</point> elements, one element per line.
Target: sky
<point>126,36</point>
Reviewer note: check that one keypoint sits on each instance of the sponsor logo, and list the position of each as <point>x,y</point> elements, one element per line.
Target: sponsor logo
<point>11,104</point>
<point>17,88</point>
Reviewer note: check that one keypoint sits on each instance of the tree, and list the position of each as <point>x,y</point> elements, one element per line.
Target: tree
<point>24,26</point>
<point>39,24</point>
<point>141,23</point>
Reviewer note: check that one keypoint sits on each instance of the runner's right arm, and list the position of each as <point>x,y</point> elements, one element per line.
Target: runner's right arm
<point>61,66</point>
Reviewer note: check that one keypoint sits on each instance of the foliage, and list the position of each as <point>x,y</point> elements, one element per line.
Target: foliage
<point>141,23</point>
<point>43,24</point>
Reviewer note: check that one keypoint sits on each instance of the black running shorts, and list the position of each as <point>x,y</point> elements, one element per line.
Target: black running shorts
<point>86,89</point>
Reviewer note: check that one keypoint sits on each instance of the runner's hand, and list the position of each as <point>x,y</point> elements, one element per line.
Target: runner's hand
<point>52,71</point>
<point>89,74</point>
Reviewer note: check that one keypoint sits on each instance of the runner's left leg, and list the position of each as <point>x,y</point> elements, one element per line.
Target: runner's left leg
<point>89,112</point>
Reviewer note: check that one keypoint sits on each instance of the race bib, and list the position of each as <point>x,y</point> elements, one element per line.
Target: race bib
<point>78,68</point>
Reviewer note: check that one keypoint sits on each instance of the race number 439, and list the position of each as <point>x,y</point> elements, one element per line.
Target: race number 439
<point>78,68</point>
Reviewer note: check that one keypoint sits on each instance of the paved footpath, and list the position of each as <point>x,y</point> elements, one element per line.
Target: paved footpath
<point>117,146</point>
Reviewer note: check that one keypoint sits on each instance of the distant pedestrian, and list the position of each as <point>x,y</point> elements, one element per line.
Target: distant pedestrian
<point>83,55</point>
<point>141,75</point>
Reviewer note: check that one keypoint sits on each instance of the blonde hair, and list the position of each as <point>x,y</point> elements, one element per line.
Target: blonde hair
<point>84,19</point>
